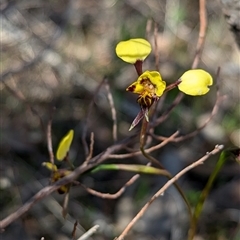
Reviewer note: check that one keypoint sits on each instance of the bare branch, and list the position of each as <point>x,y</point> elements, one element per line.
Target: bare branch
<point>49,140</point>
<point>213,113</point>
<point>64,181</point>
<point>114,195</point>
<point>65,204</point>
<point>148,28</point>
<point>90,148</point>
<point>74,230</point>
<point>202,32</point>
<point>89,233</point>
<point>217,149</point>
<point>151,149</point>
<point>166,114</point>
<point>113,110</point>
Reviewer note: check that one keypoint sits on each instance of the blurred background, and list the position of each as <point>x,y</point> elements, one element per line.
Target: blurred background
<point>54,55</point>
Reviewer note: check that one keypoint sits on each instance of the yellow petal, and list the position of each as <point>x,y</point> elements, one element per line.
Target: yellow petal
<point>195,82</point>
<point>156,79</point>
<point>150,82</point>
<point>135,88</point>
<point>64,145</point>
<point>50,166</point>
<point>134,49</point>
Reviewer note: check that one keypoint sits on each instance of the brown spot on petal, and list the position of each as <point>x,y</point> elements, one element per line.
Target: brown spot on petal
<point>131,88</point>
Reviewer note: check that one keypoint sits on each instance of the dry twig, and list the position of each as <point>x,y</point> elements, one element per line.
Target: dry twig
<point>166,114</point>
<point>90,148</point>
<point>49,139</point>
<point>151,149</point>
<point>74,230</point>
<point>202,32</point>
<point>217,149</point>
<point>114,195</point>
<point>113,110</point>
<point>89,233</point>
<point>148,28</point>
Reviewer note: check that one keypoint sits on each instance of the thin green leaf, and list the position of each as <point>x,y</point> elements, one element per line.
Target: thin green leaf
<point>131,168</point>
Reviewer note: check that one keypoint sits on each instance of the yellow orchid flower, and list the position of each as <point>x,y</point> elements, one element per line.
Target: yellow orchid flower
<point>133,50</point>
<point>150,87</point>
<point>195,82</point>
<point>57,174</point>
<point>64,145</point>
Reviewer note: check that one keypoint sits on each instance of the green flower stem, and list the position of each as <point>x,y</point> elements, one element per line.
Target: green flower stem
<point>225,155</point>
<point>156,162</point>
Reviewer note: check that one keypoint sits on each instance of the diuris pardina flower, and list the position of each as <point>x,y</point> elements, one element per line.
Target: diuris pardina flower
<point>62,151</point>
<point>149,86</point>
<point>57,174</point>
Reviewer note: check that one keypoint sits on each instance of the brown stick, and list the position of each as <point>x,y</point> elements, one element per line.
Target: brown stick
<point>114,195</point>
<point>113,111</point>
<point>151,149</point>
<point>202,32</point>
<point>217,149</point>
